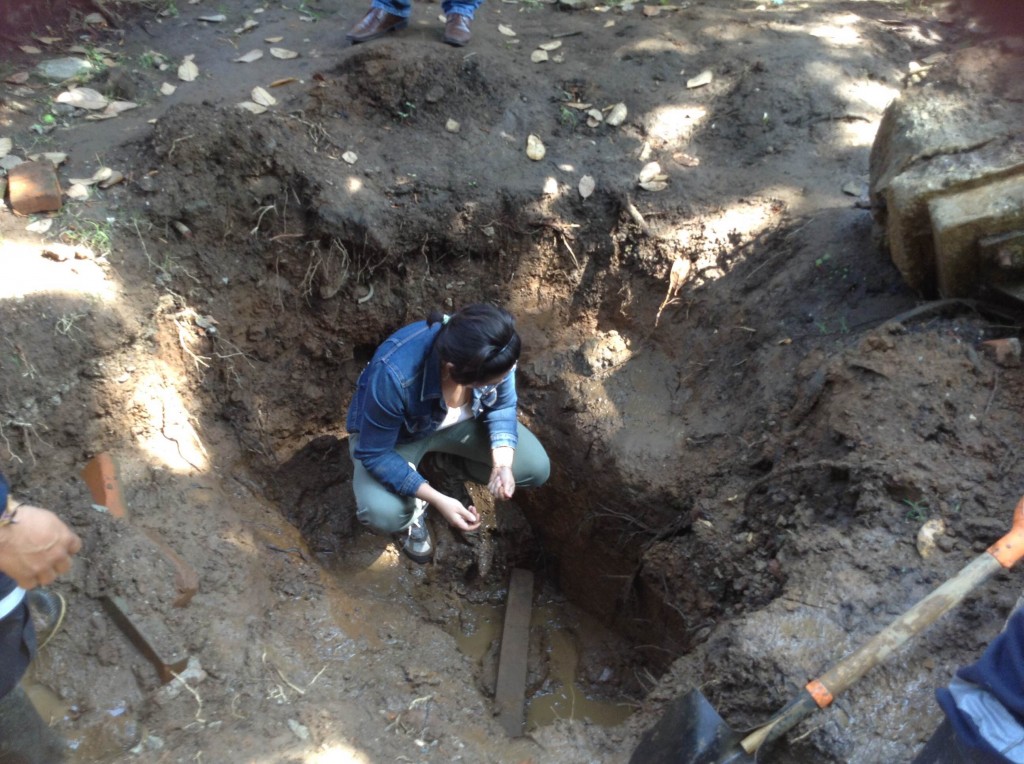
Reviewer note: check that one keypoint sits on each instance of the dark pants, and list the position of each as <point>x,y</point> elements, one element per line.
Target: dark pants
<point>24,737</point>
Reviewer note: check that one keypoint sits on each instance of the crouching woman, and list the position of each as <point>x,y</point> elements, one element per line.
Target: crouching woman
<point>443,386</point>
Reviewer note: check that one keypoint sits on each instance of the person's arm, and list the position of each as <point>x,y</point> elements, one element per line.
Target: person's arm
<point>502,426</point>
<point>454,511</point>
<point>36,547</point>
<point>383,418</point>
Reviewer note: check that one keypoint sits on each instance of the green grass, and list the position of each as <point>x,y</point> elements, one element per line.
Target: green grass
<point>89,233</point>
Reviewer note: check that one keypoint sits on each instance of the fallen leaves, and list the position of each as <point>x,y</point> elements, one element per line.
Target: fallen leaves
<point>651,178</point>
<point>6,144</point>
<point>188,71</point>
<point>283,53</point>
<point>676,278</point>
<point>702,79</point>
<point>247,58</point>
<point>83,98</point>
<point>586,186</point>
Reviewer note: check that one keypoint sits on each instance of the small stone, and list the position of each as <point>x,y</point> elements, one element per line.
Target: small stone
<point>60,69</point>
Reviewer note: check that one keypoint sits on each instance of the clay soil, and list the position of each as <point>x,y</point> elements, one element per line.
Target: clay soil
<point>743,455</point>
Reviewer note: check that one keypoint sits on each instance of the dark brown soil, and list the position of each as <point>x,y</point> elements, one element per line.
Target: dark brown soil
<point>740,471</point>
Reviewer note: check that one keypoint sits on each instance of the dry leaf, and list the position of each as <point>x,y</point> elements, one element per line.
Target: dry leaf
<point>283,81</point>
<point>262,97</point>
<point>617,115</point>
<point>77,192</point>
<point>596,114</point>
<point>686,160</point>
<point>216,18</point>
<point>676,278</point>
<point>650,171</point>
<point>535,148</point>
<point>83,98</point>
<point>652,10</point>
<point>40,226</point>
<point>6,144</point>
<point>609,23</point>
<point>249,24</point>
<point>350,157</point>
<point>56,158</point>
<point>188,71</point>
<point>167,89</point>
<point>586,186</point>
<point>113,109</point>
<point>539,56</point>
<point>283,53</point>
<point>704,78</point>
<point>553,45</point>
<point>18,78</point>
<point>507,31</point>
<point>95,19</point>
<point>47,40</point>
<point>550,186</point>
<point>32,50</point>
<point>113,179</point>
<point>578,105</point>
<point>654,185</point>
<point>272,40</point>
<point>253,55</point>
<point>255,108</point>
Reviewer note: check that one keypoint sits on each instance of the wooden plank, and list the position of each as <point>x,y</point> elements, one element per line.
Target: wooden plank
<point>510,692</point>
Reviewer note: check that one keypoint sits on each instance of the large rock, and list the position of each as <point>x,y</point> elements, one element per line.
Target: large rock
<point>948,136</point>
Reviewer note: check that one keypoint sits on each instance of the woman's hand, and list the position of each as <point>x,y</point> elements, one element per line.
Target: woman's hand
<point>502,483</point>
<point>457,514</point>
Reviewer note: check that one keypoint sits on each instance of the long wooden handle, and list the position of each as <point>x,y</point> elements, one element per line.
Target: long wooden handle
<point>1005,553</point>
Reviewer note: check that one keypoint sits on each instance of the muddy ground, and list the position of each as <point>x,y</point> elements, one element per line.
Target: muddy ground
<point>743,457</point>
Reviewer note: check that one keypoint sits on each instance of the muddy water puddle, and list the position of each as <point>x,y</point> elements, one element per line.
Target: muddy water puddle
<point>560,695</point>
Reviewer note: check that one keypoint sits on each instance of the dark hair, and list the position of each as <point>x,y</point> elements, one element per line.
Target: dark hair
<point>480,341</point>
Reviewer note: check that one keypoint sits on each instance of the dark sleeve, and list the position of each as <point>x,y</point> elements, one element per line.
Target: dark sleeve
<point>383,417</point>
<point>1000,672</point>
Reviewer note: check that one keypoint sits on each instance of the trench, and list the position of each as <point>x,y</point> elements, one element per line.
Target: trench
<point>631,574</point>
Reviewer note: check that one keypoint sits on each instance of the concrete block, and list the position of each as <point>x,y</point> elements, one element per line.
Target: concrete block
<point>957,130</point>
<point>961,220</point>
<point>33,187</point>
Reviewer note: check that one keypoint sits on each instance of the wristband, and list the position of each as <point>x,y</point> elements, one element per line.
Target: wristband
<point>9,515</point>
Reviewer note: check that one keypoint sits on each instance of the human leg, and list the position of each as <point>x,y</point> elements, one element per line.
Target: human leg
<point>384,16</point>
<point>458,14</point>
<point>24,737</point>
<point>376,507</point>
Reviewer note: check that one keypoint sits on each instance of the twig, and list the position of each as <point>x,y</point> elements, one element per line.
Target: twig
<point>637,217</point>
<point>195,694</point>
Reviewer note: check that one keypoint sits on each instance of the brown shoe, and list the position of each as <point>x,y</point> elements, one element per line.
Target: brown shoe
<point>376,23</point>
<point>456,29</point>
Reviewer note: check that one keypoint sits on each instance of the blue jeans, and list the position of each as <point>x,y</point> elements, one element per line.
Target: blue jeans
<point>403,8</point>
<point>387,512</point>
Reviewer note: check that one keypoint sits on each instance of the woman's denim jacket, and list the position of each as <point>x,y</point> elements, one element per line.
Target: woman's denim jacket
<point>398,400</point>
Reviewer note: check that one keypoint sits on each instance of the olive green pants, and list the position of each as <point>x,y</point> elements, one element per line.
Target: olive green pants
<point>385,512</point>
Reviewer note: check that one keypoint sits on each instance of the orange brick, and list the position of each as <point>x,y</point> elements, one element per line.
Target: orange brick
<point>100,474</point>
<point>33,187</point>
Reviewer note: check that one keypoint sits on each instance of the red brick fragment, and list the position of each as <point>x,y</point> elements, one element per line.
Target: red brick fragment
<point>33,187</point>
